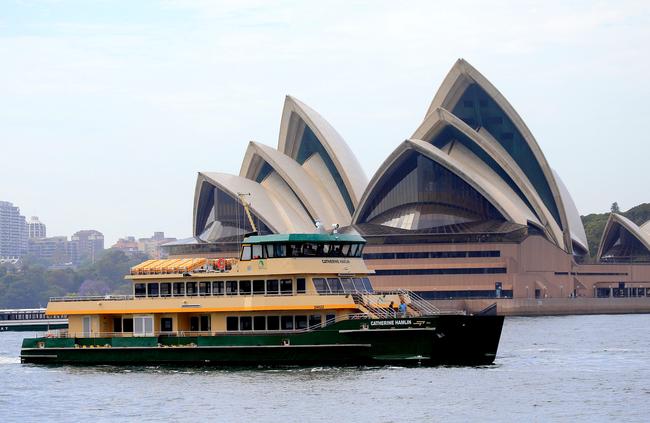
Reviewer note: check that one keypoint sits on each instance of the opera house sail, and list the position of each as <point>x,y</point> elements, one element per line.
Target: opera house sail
<point>466,207</point>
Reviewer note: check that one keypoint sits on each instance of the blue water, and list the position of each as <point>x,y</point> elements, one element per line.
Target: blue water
<point>572,368</point>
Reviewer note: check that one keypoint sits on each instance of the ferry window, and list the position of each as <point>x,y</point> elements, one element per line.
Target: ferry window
<point>191,289</point>
<point>347,285</point>
<point>293,250</point>
<point>329,318</point>
<point>117,324</point>
<point>326,249</point>
<point>301,322</point>
<point>314,320</point>
<point>360,251</point>
<point>140,290</point>
<point>358,285</point>
<point>152,289</point>
<point>321,286</point>
<point>244,287</point>
<point>335,285</point>
<point>127,325</point>
<point>259,322</point>
<point>231,287</point>
<point>286,287</point>
<point>269,251</point>
<point>286,322</point>
<point>179,289</point>
<point>205,323</point>
<point>257,251</point>
<point>217,288</point>
<point>246,323</point>
<point>194,323</point>
<point>335,250</point>
<point>308,250</point>
<point>204,288</point>
<point>246,252</point>
<point>165,289</point>
<point>367,285</point>
<point>258,287</point>
<point>166,324</point>
<point>300,286</point>
<point>232,323</point>
<point>280,250</point>
<point>272,287</point>
<point>273,322</point>
<point>345,250</point>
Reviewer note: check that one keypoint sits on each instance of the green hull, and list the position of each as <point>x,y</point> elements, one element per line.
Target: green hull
<point>435,340</point>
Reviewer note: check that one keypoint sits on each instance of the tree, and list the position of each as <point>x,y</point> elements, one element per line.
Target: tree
<point>615,208</point>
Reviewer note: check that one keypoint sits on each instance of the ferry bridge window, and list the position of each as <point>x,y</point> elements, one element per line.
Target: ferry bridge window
<point>204,288</point>
<point>309,250</point>
<point>273,322</point>
<point>335,285</point>
<point>244,287</point>
<point>367,285</point>
<point>165,289</point>
<point>217,288</point>
<point>286,322</point>
<point>345,250</point>
<point>286,287</point>
<point>179,289</point>
<point>165,324</point>
<point>314,319</point>
<point>321,286</point>
<point>272,287</point>
<point>245,323</point>
<point>232,323</point>
<point>347,285</point>
<point>258,287</point>
<point>140,290</point>
<point>152,289</point>
<point>205,323</point>
<point>301,322</point>
<point>300,286</point>
<point>191,289</point>
<point>269,251</point>
<point>280,250</point>
<point>259,322</point>
<point>246,252</point>
<point>257,251</point>
<point>231,287</point>
<point>358,285</point>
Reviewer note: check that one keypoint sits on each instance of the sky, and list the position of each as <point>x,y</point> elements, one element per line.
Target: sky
<point>108,109</point>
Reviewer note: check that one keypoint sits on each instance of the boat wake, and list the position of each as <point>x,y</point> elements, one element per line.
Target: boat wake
<point>9,360</point>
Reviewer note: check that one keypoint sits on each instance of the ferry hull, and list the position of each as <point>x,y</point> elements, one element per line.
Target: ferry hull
<point>429,341</point>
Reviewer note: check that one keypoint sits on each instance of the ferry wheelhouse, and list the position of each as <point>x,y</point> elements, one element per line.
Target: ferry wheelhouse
<point>288,299</point>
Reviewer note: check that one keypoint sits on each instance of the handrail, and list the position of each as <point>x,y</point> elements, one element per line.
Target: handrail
<point>93,298</point>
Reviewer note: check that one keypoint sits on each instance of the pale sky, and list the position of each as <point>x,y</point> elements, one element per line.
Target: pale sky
<point>108,109</point>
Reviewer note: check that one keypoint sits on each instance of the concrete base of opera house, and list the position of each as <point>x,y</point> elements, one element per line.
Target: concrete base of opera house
<point>550,306</point>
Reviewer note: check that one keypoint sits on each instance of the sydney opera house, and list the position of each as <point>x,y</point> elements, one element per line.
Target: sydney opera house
<point>466,208</point>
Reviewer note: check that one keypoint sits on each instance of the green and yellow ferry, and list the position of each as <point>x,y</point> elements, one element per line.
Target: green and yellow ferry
<point>297,299</point>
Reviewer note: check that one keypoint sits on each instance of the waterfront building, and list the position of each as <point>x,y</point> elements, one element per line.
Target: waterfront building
<point>55,250</point>
<point>13,231</point>
<point>467,207</point>
<point>88,244</point>
<point>36,229</point>
<point>152,246</point>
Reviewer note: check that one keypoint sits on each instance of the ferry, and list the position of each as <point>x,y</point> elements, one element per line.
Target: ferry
<point>293,299</point>
<point>30,319</point>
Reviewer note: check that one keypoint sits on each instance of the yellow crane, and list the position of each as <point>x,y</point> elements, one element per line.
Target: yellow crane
<point>247,209</point>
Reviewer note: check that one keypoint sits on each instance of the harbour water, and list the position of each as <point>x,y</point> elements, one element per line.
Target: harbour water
<point>569,368</point>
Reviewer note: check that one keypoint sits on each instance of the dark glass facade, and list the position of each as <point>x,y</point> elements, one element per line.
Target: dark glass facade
<point>477,109</point>
<point>620,246</point>
<point>418,193</point>
<point>220,216</point>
